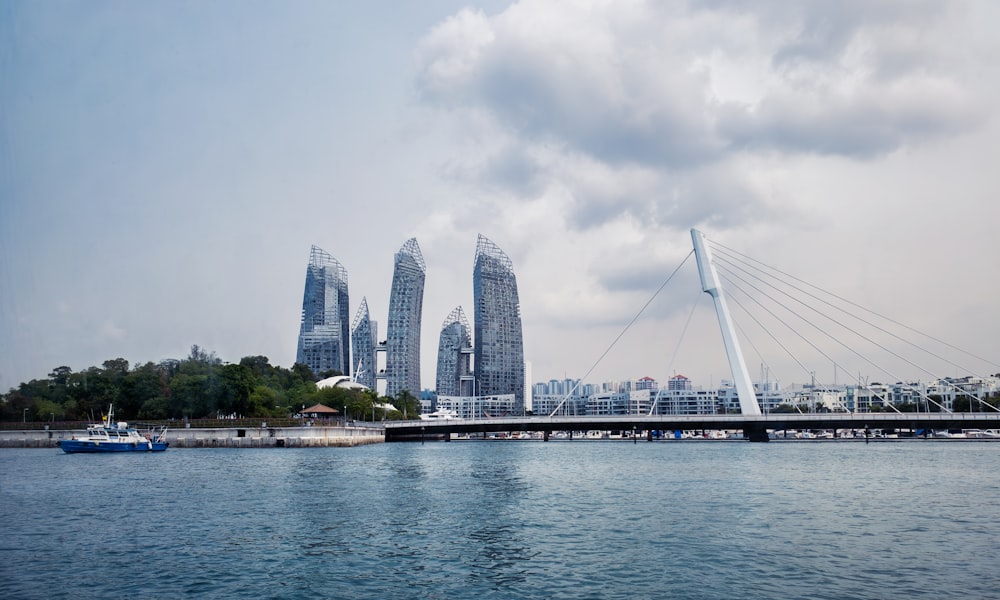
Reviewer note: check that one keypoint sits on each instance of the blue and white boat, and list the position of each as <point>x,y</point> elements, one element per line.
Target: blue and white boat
<point>110,436</point>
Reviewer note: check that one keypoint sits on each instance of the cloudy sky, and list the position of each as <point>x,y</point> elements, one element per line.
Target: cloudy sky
<point>167,165</point>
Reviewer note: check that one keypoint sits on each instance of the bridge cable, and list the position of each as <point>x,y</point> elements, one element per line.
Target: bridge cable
<point>790,328</point>
<point>677,348</point>
<point>860,335</point>
<point>620,335</point>
<point>760,355</point>
<point>832,337</point>
<point>883,397</point>
<point>960,390</point>
<point>868,310</point>
<point>865,321</point>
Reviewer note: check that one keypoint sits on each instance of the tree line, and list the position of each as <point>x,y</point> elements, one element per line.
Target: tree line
<point>197,387</point>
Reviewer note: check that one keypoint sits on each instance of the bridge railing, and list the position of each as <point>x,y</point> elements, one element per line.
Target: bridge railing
<point>814,420</point>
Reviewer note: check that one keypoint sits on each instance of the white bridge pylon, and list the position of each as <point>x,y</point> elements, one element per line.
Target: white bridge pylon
<point>710,284</point>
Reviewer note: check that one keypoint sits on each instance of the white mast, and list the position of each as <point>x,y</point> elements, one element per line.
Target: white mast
<point>710,284</point>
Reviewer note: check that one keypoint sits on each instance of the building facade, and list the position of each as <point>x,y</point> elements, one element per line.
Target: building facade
<point>406,300</point>
<point>324,332</point>
<point>480,407</point>
<point>454,371</point>
<point>499,345</point>
<point>364,339</point>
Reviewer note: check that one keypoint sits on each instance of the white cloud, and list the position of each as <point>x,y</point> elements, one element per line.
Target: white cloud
<point>850,143</point>
<point>621,125</point>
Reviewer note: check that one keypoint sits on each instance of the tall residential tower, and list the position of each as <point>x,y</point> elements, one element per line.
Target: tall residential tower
<point>364,333</point>
<point>454,351</point>
<point>406,299</point>
<point>499,345</point>
<point>325,329</point>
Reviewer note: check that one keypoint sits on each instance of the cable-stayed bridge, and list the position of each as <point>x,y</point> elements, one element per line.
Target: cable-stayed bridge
<point>779,307</point>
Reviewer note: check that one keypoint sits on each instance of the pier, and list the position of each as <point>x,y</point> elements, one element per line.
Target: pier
<point>220,437</point>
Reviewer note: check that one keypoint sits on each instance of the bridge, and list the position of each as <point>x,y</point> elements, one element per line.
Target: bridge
<point>751,420</point>
<point>754,427</point>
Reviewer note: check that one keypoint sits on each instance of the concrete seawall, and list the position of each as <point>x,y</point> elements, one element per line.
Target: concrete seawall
<point>247,437</point>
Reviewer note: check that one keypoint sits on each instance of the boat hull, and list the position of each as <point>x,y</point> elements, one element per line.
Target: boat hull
<point>87,446</point>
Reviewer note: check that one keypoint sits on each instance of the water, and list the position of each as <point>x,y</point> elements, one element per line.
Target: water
<point>506,520</point>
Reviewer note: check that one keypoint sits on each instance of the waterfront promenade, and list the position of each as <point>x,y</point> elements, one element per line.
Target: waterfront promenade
<point>220,437</point>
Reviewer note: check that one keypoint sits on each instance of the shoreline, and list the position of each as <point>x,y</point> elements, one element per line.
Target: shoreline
<point>234,437</point>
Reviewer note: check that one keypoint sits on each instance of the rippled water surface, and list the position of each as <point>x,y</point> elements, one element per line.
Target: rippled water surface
<point>506,520</point>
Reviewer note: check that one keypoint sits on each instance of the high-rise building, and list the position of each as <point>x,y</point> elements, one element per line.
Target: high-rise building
<point>454,352</point>
<point>324,333</point>
<point>364,334</point>
<point>406,299</point>
<point>678,382</point>
<point>499,345</point>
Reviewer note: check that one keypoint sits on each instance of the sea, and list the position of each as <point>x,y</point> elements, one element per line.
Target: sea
<point>507,519</point>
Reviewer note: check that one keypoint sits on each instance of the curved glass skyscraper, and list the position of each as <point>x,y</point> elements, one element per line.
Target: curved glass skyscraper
<point>364,333</point>
<point>323,335</point>
<point>499,345</point>
<point>406,300</point>
<point>454,348</point>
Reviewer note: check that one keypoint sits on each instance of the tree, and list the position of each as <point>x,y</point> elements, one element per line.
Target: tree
<point>236,384</point>
<point>303,372</point>
<point>60,375</point>
<point>198,386</point>
<point>407,404</point>
<point>138,387</point>
<point>189,396</point>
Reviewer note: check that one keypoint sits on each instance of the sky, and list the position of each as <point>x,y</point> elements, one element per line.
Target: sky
<point>166,166</point>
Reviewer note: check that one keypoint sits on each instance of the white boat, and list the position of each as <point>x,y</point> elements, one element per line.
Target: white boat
<point>981,434</point>
<point>441,414</point>
<point>949,434</point>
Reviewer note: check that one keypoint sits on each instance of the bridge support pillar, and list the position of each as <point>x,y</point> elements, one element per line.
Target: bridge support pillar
<point>545,436</point>
<point>755,433</point>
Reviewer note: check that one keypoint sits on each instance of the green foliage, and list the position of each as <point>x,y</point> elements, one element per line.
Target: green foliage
<point>407,404</point>
<point>967,404</point>
<point>199,386</point>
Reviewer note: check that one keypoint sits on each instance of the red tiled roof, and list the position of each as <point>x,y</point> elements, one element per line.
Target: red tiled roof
<point>321,409</point>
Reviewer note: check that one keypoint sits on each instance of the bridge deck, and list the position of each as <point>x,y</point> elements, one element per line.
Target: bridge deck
<point>934,421</point>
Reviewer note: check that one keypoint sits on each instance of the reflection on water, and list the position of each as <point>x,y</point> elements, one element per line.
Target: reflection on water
<point>505,520</point>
